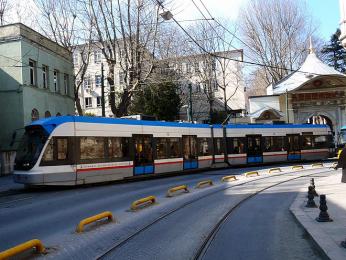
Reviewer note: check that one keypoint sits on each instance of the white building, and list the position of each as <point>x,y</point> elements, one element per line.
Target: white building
<point>216,78</point>
<point>199,70</point>
<point>313,94</point>
<point>90,90</point>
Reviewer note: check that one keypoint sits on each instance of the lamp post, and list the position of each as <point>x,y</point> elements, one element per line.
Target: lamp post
<point>103,92</point>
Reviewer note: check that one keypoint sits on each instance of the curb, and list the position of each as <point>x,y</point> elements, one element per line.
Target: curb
<point>323,242</point>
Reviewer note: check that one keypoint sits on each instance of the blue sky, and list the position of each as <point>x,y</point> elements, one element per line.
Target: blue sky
<point>327,14</point>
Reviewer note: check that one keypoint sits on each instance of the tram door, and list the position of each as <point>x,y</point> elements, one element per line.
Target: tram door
<point>254,149</point>
<point>190,152</point>
<point>143,154</point>
<point>293,147</point>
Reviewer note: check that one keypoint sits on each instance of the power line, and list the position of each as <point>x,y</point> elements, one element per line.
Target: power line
<point>222,57</point>
<point>225,27</point>
<point>212,18</point>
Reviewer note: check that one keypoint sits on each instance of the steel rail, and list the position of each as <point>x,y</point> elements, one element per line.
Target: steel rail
<point>162,217</point>
<point>212,234</point>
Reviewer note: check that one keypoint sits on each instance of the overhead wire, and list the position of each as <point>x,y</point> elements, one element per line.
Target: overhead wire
<point>224,27</point>
<point>212,18</point>
<point>225,57</point>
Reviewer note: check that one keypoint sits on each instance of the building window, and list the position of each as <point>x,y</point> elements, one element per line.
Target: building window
<point>66,82</point>
<point>47,114</point>
<point>183,68</point>
<point>180,68</point>
<point>213,65</point>
<point>198,87</point>
<point>188,68</point>
<point>88,102</point>
<point>35,115</point>
<point>75,59</point>
<point>98,101</point>
<point>32,72</point>
<point>214,85</point>
<point>196,67</point>
<point>97,80</point>
<point>87,82</point>
<point>56,80</point>
<point>121,78</point>
<point>45,71</point>
<point>97,56</point>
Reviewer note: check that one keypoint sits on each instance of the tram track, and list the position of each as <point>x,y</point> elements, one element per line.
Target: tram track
<point>211,235</point>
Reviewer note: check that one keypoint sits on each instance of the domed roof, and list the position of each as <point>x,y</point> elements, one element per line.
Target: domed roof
<point>312,68</point>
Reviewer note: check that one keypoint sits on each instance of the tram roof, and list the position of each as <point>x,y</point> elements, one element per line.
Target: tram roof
<point>50,123</point>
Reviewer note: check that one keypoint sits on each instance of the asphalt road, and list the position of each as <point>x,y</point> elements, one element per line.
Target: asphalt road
<point>52,215</point>
<point>263,228</point>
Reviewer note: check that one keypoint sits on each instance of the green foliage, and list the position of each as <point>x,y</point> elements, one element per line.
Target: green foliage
<point>160,100</point>
<point>334,54</point>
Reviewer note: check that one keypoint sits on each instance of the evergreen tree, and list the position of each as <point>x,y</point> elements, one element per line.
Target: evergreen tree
<point>161,100</point>
<point>334,54</point>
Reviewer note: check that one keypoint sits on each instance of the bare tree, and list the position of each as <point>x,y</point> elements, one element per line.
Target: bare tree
<point>65,22</point>
<point>256,83</point>
<point>275,34</point>
<point>220,72</point>
<point>4,6</point>
<point>126,32</point>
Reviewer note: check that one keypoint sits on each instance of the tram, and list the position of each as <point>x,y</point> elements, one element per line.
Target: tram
<point>74,150</point>
<point>341,142</point>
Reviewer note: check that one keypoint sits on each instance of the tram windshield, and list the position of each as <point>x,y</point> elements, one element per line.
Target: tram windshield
<point>30,148</point>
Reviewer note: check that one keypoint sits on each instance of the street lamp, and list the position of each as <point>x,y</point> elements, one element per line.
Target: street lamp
<point>166,15</point>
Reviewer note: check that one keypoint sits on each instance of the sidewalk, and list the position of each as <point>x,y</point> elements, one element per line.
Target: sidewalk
<point>327,235</point>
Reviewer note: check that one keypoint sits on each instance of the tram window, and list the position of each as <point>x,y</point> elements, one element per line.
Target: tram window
<point>238,145</point>
<point>61,148</point>
<point>218,146</point>
<point>56,152</point>
<point>92,148</point>
<point>307,142</point>
<point>49,152</point>
<point>174,147</point>
<point>203,146</point>
<point>143,150</point>
<point>274,143</point>
<point>320,141</point>
<point>161,148</point>
<point>118,147</point>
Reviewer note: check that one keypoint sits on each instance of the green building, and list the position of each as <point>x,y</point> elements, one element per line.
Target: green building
<point>36,81</point>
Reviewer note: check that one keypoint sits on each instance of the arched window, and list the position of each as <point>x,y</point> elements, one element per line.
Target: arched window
<point>35,115</point>
<point>47,114</point>
<point>58,114</point>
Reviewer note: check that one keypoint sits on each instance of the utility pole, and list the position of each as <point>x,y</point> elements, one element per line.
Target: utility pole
<point>103,92</point>
<point>190,102</point>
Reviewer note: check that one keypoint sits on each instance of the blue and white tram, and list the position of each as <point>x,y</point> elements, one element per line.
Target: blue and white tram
<point>72,150</point>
